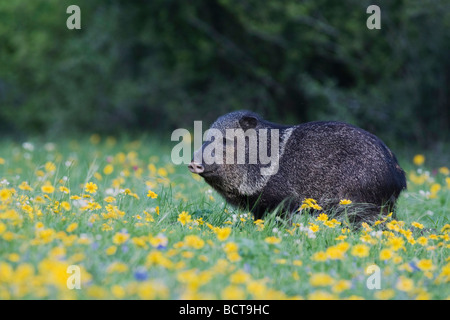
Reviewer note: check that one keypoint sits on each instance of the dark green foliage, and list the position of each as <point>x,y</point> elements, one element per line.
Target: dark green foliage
<point>157,65</point>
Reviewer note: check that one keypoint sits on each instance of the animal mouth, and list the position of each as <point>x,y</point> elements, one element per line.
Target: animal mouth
<point>207,173</point>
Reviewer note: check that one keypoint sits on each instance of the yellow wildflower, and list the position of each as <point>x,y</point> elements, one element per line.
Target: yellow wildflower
<point>184,218</point>
<point>120,238</point>
<point>272,240</point>
<point>419,159</point>
<point>321,279</point>
<point>341,285</point>
<point>425,265</point>
<point>25,186</point>
<point>319,256</point>
<point>360,250</point>
<point>417,225</point>
<point>422,241</point>
<point>194,241</point>
<point>385,254</point>
<point>384,294</point>
<point>72,227</point>
<point>345,202</point>
<point>396,243</point>
<point>48,188</point>
<point>111,250</point>
<point>404,284</point>
<point>90,187</point>
<point>233,292</point>
<point>313,227</point>
<point>152,194</point>
<point>223,233</point>
<point>108,169</point>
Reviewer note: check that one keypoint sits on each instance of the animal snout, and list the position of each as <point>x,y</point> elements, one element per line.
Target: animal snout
<point>196,167</point>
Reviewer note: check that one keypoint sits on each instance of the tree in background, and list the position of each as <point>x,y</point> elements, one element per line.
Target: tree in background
<point>157,65</point>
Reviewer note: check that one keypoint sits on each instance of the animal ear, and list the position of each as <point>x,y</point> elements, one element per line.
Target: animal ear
<point>248,122</point>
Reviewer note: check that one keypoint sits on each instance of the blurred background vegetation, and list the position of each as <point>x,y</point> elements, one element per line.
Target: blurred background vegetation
<point>152,66</point>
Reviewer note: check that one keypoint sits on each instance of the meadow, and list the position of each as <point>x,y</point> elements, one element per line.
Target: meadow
<point>138,227</point>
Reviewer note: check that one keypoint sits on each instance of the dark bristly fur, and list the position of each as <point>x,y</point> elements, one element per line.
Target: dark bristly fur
<point>327,161</point>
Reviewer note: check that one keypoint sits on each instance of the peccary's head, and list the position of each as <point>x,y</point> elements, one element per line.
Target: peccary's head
<point>239,154</point>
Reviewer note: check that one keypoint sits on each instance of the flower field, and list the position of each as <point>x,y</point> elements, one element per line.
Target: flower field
<point>113,219</point>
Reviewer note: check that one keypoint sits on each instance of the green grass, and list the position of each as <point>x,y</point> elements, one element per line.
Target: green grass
<point>128,250</point>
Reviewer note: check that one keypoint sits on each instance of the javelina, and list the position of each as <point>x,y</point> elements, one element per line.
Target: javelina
<point>325,160</point>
